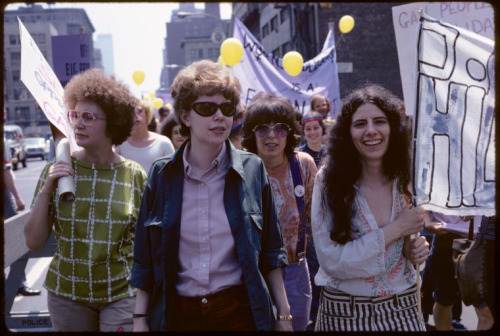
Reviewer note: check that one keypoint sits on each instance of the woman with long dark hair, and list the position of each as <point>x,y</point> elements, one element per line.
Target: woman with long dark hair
<point>362,219</point>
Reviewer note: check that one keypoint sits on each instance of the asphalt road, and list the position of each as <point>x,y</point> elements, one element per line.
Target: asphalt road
<point>36,270</point>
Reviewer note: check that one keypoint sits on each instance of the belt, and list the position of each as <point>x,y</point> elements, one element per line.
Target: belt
<point>228,294</point>
<point>342,296</point>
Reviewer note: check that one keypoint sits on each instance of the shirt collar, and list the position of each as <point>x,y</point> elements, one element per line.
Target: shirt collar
<point>220,163</point>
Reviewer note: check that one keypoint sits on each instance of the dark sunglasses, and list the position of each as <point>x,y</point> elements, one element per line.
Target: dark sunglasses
<point>207,109</point>
<point>280,129</point>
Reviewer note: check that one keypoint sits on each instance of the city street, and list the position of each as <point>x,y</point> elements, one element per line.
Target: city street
<point>26,179</point>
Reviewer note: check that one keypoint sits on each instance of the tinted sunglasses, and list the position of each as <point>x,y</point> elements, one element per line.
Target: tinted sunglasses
<point>207,109</point>
<point>280,129</point>
<point>87,117</point>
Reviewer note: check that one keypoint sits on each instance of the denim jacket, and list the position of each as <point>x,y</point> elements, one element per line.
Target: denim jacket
<point>252,218</point>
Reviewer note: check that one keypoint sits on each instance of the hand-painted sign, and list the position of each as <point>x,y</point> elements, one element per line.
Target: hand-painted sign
<point>454,151</point>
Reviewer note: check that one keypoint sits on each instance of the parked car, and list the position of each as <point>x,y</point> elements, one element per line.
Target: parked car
<point>35,147</point>
<point>13,135</point>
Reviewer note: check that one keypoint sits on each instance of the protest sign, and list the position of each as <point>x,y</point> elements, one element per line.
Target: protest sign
<point>43,84</point>
<point>477,17</point>
<point>454,121</point>
<point>71,54</point>
<point>260,71</point>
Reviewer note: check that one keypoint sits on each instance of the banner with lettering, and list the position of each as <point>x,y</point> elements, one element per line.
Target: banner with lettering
<point>42,82</point>
<point>260,71</point>
<point>477,17</point>
<point>454,123</point>
<point>71,54</point>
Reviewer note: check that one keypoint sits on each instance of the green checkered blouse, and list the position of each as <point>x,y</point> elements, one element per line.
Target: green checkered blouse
<point>95,233</point>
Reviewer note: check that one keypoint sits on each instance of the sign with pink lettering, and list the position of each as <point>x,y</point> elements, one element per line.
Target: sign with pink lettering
<point>477,17</point>
<point>43,84</point>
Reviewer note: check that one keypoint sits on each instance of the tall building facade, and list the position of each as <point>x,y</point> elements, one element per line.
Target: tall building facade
<point>104,44</point>
<point>367,54</point>
<point>192,34</point>
<point>42,23</point>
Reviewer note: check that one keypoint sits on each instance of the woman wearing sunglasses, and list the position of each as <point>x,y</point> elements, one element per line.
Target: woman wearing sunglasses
<point>87,280</point>
<point>143,145</point>
<point>362,220</point>
<point>271,132</point>
<point>208,249</point>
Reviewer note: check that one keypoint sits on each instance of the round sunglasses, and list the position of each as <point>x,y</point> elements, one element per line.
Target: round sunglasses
<point>207,109</point>
<point>280,129</point>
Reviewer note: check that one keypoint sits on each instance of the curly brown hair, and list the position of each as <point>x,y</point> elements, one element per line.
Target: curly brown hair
<point>202,78</point>
<point>113,97</point>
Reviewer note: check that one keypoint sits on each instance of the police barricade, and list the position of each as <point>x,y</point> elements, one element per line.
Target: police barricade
<point>16,255</point>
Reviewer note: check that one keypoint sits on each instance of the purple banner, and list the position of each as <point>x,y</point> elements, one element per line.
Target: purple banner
<point>71,54</point>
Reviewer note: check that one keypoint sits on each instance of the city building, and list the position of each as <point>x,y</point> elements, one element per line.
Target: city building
<point>192,34</point>
<point>103,43</point>
<point>42,23</point>
<point>367,54</point>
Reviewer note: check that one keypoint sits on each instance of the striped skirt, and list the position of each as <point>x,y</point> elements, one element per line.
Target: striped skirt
<point>339,311</point>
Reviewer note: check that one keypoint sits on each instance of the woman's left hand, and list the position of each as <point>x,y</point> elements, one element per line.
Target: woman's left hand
<point>418,250</point>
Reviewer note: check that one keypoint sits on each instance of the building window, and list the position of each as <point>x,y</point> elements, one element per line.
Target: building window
<point>286,47</point>
<point>276,52</point>
<point>15,58</point>
<point>210,53</point>
<point>14,39</point>
<point>40,38</point>
<point>274,23</point>
<point>192,54</point>
<point>285,14</point>
<point>16,75</point>
<point>265,30</point>
<point>73,28</point>
<point>200,53</point>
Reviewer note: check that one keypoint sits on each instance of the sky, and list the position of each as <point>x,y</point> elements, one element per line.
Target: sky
<point>139,31</point>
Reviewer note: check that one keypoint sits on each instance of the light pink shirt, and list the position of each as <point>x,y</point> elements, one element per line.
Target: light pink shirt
<point>207,253</point>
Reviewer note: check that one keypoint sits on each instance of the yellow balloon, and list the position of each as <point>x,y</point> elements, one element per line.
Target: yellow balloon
<point>292,63</point>
<point>152,95</point>
<point>346,24</point>
<point>157,103</point>
<point>138,76</point>
<point>168,105</point>
<point>231,51</point>
<point>221,60</point>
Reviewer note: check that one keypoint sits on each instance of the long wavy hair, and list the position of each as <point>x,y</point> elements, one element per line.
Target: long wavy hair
<point>342,165</point>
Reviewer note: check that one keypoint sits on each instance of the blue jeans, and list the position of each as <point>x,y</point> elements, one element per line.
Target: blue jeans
<point>298,292</point>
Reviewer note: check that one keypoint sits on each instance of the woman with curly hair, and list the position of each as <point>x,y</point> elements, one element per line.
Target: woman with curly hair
<point>362,220</point>
<point>87,280</point>
<point>270,130</point>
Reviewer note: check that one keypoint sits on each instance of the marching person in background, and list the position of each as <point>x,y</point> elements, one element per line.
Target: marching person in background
<point>235,136</point>
<point>172,129</point>
<point>313,129</point>
<point>362,220</point>
<point>87,280</point>
<point>208,251</point>
<point>144,146</point>
<point>270,131</point>
<point>321,104</point>
<point>445,286</point>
